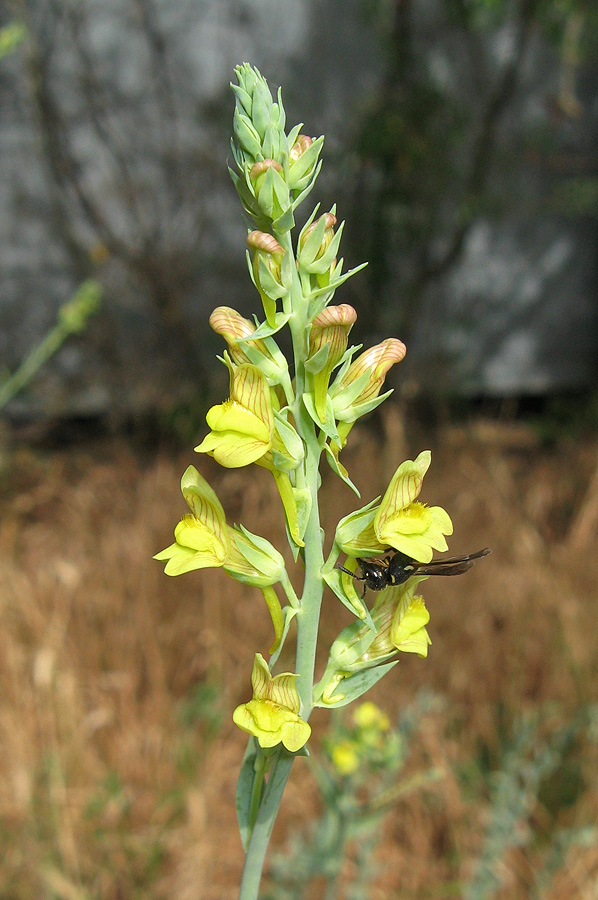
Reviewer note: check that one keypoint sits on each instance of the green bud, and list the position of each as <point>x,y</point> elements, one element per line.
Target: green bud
<point>246,135</point>
<point>303,161</point>
<point>73,315</point>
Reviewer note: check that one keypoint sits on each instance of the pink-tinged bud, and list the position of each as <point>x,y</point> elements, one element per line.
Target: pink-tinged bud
<point>330,328</point>
<point>330,220</point>
<point>233,327</point>
<point>376,361</point>
<point>266,267</point>
<point>260,240</point>
<point>259,169</point>
<point>302,144</point>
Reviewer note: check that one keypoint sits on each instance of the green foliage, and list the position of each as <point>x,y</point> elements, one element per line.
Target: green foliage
<point>535,770</point>
<point>72,319</point>
<point>11,37</point>
<point>202,708</point>
<point>360,779</point>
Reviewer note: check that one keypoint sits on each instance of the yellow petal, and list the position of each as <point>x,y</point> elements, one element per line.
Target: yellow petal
<point>233,416</point>
<point>413,519</point>
<point>250,390</point>
<point>283,692</point>
<point>195,535</point>
<point>295,734</point>
<point>231,449</point>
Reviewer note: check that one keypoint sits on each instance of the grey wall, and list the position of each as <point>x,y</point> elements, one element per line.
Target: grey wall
<point>114,144</point>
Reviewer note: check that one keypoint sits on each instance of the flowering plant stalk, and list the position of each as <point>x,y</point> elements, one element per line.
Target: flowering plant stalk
<point>287,424</point>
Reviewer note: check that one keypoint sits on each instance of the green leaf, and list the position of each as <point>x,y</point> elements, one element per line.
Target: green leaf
<point>329,426</point>
<point>294,134</point>
<point>303,501</point>
<point>268,283</point>
<point>289,437</point>
<point>288,614</point>
<point>361,409</point>
<point>316,363</point>
<point>334,283</point>
<point>339,469</point>
<point>285,221</point>
<point>334,581</point>
<point>244,791</point>
<point>357,521</point>
<point>356,685</point>
<point>265,330</point>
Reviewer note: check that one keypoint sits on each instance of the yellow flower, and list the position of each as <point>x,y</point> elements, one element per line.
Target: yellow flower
<point>272,716</point>
<point>400,620</point>
<point>242,426</point>
<point>368,715</point>
<point>243,431</point>
<point>344,756</point>
<point>201,539</point>
<point>406,524</point>
<point>400,521</point>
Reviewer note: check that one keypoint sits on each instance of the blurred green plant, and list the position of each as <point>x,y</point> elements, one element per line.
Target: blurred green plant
<point>360,782</point>
<point>11,37</point>
<point>535,770</point>
<point>72,319</point>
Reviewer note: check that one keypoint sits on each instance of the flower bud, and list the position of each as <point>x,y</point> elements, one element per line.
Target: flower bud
<point>315,239</point>
<point>355,391</point>
<point>258,171</point>
<point>355,533</point>
<point>253,560</point>
<point>302,144</point>
<point>232,326</point>
<point>246,135</point>
<point>258,121</point>
<point>237,331</point>
<point>303,161</point>
<point>267,271</point>
<point>329,332</point>
<point>362,381</point>
<point>74,314</point>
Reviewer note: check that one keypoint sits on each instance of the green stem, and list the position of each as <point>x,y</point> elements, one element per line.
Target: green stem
<point>308,616</point>
<point>28,368</point>
<point>260,836</point>
<point>259,767</point>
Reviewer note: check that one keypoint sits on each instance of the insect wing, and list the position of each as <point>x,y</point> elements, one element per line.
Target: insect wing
<point>451,560</point>
<point>445,568</point>
<point>454,565</point>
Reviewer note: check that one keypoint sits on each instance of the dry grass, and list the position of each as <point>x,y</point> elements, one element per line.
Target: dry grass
<point>118,772</point>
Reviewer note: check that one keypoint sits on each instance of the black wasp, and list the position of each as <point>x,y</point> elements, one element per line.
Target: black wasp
<point>395,568</point>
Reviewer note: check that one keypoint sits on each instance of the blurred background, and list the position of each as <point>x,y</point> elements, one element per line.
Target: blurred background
<point>461,148</point>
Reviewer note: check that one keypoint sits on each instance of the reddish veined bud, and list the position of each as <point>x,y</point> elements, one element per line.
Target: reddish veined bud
<point>258,171</point>
<point>330,220</point>
<point>302,144</point>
